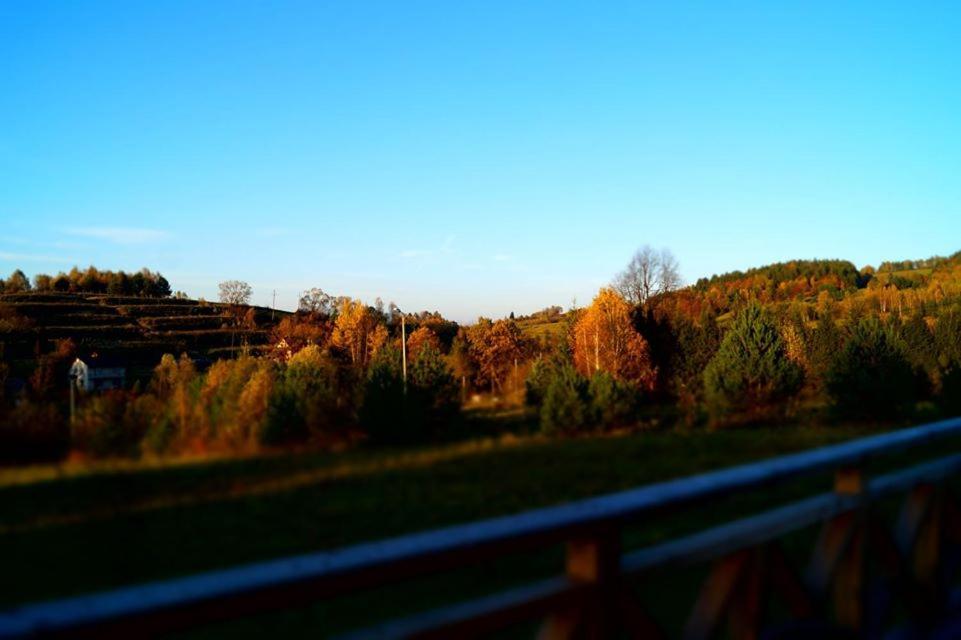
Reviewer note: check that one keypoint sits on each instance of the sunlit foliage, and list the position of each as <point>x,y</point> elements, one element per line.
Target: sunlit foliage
<point>604,339</point>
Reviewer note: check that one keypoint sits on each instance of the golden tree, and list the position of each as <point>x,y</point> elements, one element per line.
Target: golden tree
<point>604,339</point>
<point>358,331</point>
<point>419,339</point>
<point>496,348</point>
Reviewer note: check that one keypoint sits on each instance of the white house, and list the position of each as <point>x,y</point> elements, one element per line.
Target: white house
<point>97,372</point>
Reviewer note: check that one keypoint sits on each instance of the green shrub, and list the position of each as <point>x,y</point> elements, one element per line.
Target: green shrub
<point>432,392</point>
<point>824,342</point>
<point>101,429</point>
<point>613,402</point>
<point>696,344</point>
<point>305,402</point>
<point>947,338</point>
<point>311,377</point>
<point>542,372</point>
<point>920,347</point>
<point>751,375</point>
<point>285,423</point>
<point>430,404</point>
<point>566,407</point>
<point>383,413</point>
<point>870,377</point>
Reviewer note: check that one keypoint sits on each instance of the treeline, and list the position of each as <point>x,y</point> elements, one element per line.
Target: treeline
<point>914,265</point>
<point>820,288</point>
<point>765,364</point>
<point>335,375</point>
<point>839,272</point>
<point>723,353</point>
<point>143,283</point>
<point>727,351</point>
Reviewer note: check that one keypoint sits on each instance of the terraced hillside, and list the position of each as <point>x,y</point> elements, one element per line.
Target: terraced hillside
<point>138,329</point>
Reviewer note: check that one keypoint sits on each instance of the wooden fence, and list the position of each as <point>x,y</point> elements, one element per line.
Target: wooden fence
<point>865,577</point>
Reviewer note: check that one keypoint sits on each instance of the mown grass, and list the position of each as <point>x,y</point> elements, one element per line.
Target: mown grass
<point>65,530</point>
<point>75,532</point>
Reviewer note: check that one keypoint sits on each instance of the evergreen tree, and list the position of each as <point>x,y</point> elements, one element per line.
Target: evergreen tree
<point>751,372</point>
<point>566,406</point>
<point>870,377</point>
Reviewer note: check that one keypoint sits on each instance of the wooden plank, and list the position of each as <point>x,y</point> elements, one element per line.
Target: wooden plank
<point>716,594</point>
<point>849,480</point>
<point>787,584</point>
<point>848,586</point>
<point>595,561</point>
<point>740,534</point>
<point>746,611</point>
<point>775,523</point>
<point>832,543</point>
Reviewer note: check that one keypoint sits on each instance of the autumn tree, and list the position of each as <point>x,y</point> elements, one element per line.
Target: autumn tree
<point>649,273</point>
<point>119,284</point>
<point>43,282</point>
<point>604,339</point>
<point>17,282</point>
<point>420,338</point>
<point>299,331</point>
<point>308,402</point>
<point>173,383</point>
<point>235,292</point>
<point>496,347</point>
<point>358,332</point>
<point>463,365</point>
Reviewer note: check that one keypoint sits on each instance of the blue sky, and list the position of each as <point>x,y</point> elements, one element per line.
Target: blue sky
<point>472,157</point>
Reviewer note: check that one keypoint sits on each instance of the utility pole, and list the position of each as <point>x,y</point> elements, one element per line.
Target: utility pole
<point>273,305</point>
<point>403,343</point>
<point>403,348</point>
<point>73,402</point>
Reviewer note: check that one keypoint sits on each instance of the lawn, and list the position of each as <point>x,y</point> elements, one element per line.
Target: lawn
<point>64,531</point>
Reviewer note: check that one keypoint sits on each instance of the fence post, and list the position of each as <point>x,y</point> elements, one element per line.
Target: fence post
<point>849,591</point>
<point>591,559</point>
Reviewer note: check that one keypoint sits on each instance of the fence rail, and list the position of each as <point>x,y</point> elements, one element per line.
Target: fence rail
<point>915,561</point>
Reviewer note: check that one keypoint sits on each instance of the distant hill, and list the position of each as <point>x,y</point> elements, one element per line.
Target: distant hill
<point>839,273</point>
<point>547,325</point>
<point>138,329</point>
<point>908,286</point>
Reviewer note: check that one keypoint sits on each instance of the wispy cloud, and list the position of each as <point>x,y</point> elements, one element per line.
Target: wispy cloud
<point>501,257</point>
<point>58,244</point>
<point>33,257</point>
<point>119,235</point>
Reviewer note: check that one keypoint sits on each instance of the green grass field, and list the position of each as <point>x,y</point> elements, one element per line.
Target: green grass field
<point>70,530</point>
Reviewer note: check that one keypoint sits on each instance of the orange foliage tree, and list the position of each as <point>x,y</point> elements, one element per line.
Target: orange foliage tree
<point>419,339</point>
<point>299,330</point>
<point>358,331</point>
<point>604,339</point>
<point>496,347</point>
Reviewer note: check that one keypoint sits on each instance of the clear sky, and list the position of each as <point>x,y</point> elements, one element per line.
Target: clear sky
<point>472,157</point>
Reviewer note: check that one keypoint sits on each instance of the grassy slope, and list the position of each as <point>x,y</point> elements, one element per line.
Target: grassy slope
<point>92,531</point>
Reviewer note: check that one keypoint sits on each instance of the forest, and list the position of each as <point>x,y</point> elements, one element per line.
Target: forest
<point>807,341</point>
